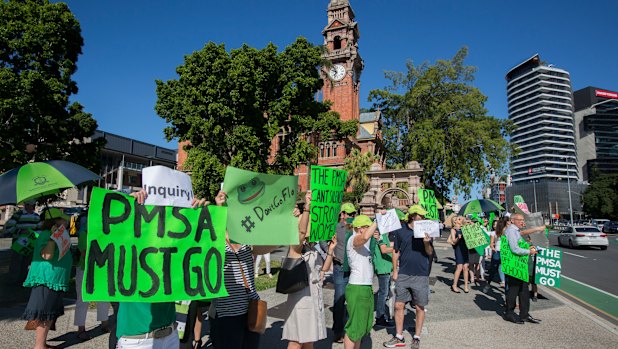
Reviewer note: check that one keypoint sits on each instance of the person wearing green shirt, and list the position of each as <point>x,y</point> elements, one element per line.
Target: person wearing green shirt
<point>48,277</point>
<point>383,267</point>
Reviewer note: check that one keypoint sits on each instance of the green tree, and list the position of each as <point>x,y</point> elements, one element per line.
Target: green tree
<point>39,46</point>
<point>231,105</point>
<point>601,199</point>
<point>357,164</point>
<point>433,114</point>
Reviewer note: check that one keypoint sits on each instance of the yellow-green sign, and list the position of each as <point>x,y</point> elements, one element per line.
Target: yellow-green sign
<point>327,187</point>
<point>140,253</point>
<point>512,264</point>
<point>474,236</point>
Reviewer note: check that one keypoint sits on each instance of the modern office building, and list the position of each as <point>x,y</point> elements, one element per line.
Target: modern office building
<point>596,131</point>
<point>540,104</point>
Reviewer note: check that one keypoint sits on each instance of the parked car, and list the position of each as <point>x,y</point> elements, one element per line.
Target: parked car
<point>598,222</point>
<point>610,227</point>
<point>583,236</point>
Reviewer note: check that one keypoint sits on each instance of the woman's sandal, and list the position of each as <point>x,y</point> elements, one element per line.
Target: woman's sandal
<point>466,290</point>
<point>455,291</point>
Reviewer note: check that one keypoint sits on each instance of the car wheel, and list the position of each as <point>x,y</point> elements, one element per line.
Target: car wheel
<point>559,242</point>
<point>603,248</point>
<point>571,244</point>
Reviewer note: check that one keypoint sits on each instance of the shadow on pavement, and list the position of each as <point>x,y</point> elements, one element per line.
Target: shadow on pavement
<point>70,339</point>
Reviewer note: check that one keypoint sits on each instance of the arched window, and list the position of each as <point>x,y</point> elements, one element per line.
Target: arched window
<point>337,43</point>
<point>328,150</point>
<point>335,150</point>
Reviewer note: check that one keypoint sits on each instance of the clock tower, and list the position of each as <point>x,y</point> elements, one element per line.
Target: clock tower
<point>342,78</point>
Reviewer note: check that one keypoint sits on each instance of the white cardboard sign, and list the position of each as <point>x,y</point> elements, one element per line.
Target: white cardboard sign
<point>167,187</point>
<point>62,239</point>
<point>426,226</point>
<point>388,222</point>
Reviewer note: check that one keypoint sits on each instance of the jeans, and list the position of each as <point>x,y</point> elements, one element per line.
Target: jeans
<point>258,260</point>
<point>384,282</point>
<point>494,268</point>
<point>339,312</point>
<point>169,342</point>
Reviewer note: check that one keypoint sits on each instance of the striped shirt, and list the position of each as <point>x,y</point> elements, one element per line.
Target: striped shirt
<point>21,220</point>
<point>237,301</point>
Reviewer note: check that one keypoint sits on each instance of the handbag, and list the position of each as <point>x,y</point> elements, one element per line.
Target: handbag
<point>256,313</point>
<point>293,275</point>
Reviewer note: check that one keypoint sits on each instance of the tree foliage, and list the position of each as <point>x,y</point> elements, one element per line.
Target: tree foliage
<point>231,105</point>
<point>357,164</point>
<point>39,46</point>
<point>601,198</point>
<point>434,115</point>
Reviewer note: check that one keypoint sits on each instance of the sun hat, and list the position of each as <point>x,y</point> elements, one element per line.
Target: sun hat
<point>361,221</point>
<point>348,207</point>
<point>417,209</point>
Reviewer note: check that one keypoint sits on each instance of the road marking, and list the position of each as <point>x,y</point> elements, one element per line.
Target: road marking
<point>576,255</point>
<point>592,287</point>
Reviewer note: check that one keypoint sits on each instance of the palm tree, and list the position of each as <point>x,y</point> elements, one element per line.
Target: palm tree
<point>357,164</point>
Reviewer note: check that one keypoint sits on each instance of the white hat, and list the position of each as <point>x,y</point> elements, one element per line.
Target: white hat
<point>507,215</point>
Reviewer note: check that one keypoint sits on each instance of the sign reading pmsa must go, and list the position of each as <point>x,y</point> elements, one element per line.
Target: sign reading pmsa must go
<point>140,253</point>
<point>548,267</point>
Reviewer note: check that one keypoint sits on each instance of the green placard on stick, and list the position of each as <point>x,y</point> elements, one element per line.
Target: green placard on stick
<point>260,207</point>
<point>474,236</point>
<point>512,264</point>
<point>140,253</point>
<point>327,187</point>
<point>428,202</point>
<point>24,244</point>
<point>548,267</point>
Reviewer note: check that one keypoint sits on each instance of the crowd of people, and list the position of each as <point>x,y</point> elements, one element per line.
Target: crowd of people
<point>357,252</point>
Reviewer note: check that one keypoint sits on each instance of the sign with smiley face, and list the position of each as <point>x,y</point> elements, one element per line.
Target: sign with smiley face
<point>260,207</point>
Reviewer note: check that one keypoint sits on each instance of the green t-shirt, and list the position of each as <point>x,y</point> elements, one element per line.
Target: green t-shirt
<point>382,263</point>
<point>53,274</point>
<point>140,318</point>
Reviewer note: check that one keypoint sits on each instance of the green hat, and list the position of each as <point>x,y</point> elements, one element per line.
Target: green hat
<point>402,216</point>
<point>361,221</point>
<point>348,207</point>
<point>417,209</point>
<point>52,213</point>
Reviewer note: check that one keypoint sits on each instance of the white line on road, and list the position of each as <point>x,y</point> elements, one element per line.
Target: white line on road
<point>592,287</point>
<point>573,254</point>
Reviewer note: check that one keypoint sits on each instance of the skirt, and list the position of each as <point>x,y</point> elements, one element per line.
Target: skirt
<point>44,304</point>
<point>474,257</point>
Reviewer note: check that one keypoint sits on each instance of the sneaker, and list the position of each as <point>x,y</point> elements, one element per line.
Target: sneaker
<point>383,322</point>
<point>395,343</point>
<point>416,343</point>
<point>270,275</point>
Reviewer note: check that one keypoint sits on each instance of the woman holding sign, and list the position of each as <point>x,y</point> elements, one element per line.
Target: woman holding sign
<point>48,276</point>
<point>461,254</point>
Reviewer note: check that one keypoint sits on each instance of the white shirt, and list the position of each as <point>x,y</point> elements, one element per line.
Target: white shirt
<point>359,260</point>
<point>496,240</point>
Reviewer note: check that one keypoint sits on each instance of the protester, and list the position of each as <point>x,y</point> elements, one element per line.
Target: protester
<point>340,276</point>
<point>20,221</point>
<point>81,307</point>
<point>494,244</point>
<point>48,277</point>
<point>359,292</point>
<point>381,249</point>
<point>461,255</point>
<point>305,322</point>
<point>258,260</point>
<point>412,255</point>
<point>517,288</point>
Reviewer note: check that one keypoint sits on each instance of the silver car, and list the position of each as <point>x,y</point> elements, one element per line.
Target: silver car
<point>583,236</point>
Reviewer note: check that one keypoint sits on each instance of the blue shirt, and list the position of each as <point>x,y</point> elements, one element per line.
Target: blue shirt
<point>413,260</point>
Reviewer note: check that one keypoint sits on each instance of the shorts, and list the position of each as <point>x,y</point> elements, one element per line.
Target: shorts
<point>360,305</point>
<point>412,288</point>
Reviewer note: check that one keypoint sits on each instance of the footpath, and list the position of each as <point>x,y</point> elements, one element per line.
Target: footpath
<point>462,320</point>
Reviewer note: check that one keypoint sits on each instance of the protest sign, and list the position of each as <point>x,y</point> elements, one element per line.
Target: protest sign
<point>426,226</point>
<point>167,187</point>
<point>24,244</point>
<point>429,204</point>
<point>512,264</point>
<point>520,204</point>
<point>474,236</point>
<point>63,240</point>
<point>534,220</point>
<point>548,267</point>
<point>260,207</point>
<point>388,222</point>
<point>140,253</point>
<point>327,187</point>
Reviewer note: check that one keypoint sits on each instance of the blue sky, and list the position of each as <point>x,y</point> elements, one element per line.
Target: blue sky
<point>129,44</point>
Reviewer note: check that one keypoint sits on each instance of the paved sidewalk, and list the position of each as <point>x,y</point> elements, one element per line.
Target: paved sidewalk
<point>453,321</point>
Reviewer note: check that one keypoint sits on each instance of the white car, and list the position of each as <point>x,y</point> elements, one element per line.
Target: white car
<point>583,236</point>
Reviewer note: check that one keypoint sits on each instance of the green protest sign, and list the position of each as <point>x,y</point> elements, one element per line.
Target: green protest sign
<point>548,267</point>
<point>474,236</point>
<point>24,244</point>
<point>138,253</point>
<point>512,264</point>
<point>428,202</point>
<point>260,207</point>
<point>327,187</point>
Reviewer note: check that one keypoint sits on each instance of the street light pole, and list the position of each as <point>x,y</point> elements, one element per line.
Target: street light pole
<point>534,188</point>
<point>566,160</point>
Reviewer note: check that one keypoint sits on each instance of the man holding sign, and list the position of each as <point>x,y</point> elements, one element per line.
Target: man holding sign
<point>517,287</point>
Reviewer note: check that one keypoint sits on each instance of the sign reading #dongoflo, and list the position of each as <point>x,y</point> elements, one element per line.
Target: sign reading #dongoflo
<point>260,207</point>
<point>139,253</point>
<point>327,187</point>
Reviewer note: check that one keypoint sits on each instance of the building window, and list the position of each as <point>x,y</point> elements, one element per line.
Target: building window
<point>337,43</point>
<point>334,150</point>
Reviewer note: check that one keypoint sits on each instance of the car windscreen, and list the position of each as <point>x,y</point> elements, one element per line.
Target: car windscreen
<point>587,230</point>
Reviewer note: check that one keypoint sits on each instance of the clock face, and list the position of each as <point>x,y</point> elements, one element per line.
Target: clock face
<point>337,72</point>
